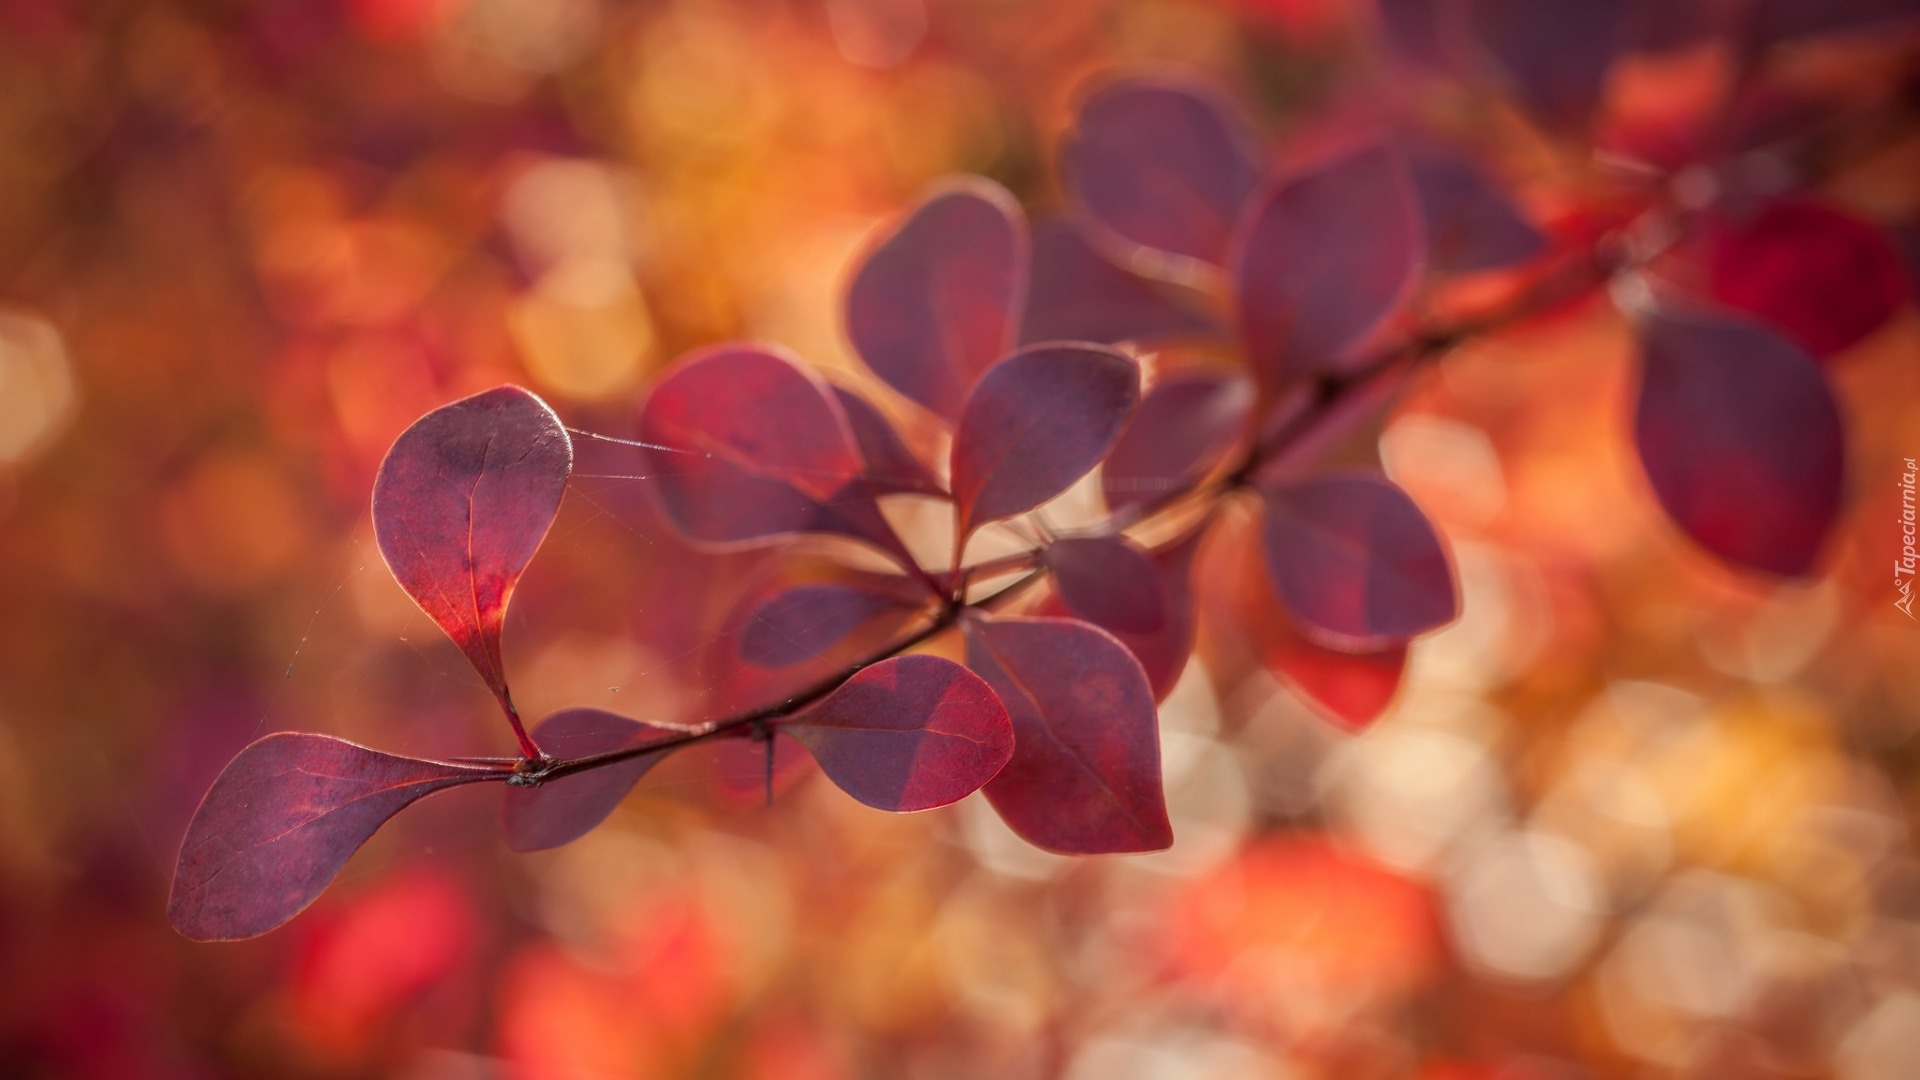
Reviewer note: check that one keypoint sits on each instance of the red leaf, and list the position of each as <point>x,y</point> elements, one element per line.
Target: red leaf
<point>802,622</point>
<point>1038,421</point>
<point>1356,561</point>
<point>1741,439</point>
<point>935,302</point>
<point>1556,55</point>
<point>461,503</point>
<point>1085,774</point>
<point>280,822</point>
<point>754,411</point>
<point>1351,688</point>
<point>1774,21</point>
<point>1109,582</point>
<point>561,811</point>
<point>1078,295</point>
<point>1163,651</point>
<point>1325,259</point>
<point>1186,424</point>
<point>1821,277</point>
<point>909,733</point>
<point>1471,224</point>
<point>1162,164</point>
<point>891,467</point>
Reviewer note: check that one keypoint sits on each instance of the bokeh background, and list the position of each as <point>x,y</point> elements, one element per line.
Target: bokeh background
<point>1634,815</point>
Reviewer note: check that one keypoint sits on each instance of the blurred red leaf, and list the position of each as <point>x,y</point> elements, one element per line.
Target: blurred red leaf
<point>1109,582</point>
<point>804,621</point>
<point>1355,560</point>
<point>935,302</point>
<point>1185,425</point>
<point>1325,258</point>
<point>1162,651</point>
<point>1555,55</point>
<point>1741,438</point>
<point>1823,278</point>
<point>1351,688</point>
<point>891,467</point>
<point>1775,21</point>
<point>461,503</point>
<point>280,822</point>
<point>561,811</point>
<point>1162,164</point>
<point>908,733</point>
<point>1077,294</point>
<point>388,947</point>
<point>1471,223</point>
<point>1085,774</point>
<point>1038,421</point>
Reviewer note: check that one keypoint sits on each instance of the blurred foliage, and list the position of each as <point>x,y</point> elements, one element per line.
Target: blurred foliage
<point>1633,815</point>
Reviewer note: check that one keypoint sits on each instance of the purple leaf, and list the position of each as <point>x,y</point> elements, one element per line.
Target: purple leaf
<point>1186,424</point>
<point>1325,259</point>
<point>1162,164</point>
<point>461,503</point>
<point>1085,774</point>
<point>909,733</point>
<point>1777,21</point>
<point>1417,29</point>
<point>1078,295</point>
<point>891,467</point>
<point>1164,650</point>
<point>1109,582</point>
<point>280,822</point>
<point>934,304</point>
<point>561,811</point>
<point>1038,421</point>
<point>1471,224</point>
<point>802,622</point>
<point>1356,561</point>
<point>1556,55</point>
<point>1741,438</point>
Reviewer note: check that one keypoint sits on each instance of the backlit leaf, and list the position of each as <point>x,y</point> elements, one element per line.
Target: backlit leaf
<point>802,622</point>
<point>1077,294</point>
<point>563,810</point>
<point>1351,688</point>
<point>1038,421</point>
<point>1823,278</point>
<point>1109,582</point>
<point>1741,438</point>
<point>891,467</point>
<point>936,301</point>
<point>461,503</point>
<point>280,822</point>
<point>1186,424</point>
<point>1325,258</point>
<point>1162,164</point>
<point>1471,224</point>
<point>1085,774</point>
<point>1355,560</point>
<point>908,733</point>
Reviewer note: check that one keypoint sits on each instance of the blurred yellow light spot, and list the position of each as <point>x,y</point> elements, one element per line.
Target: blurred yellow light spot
<point>563,209</point>
<point>36,387</point>
<point>1525,906</point>
<point>234,522</point>
<point>585,331</point>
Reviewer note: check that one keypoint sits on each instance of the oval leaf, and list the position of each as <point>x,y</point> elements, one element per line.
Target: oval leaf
<point>461,503</point>
<point>1078,295</point>
<point>1162,165</point>
<point>800,623</point>
<point>909,733</point>
<point>934,303</point>
<point>1471,224</point>
<point>891,467</point>
<point>1555,55</point>
<point>280,822</point>
<point>1823,278</point>
<point>1085,774</point>
<point>1038,421</point>
<point>1163,652</point>
<point>1186,424</point>
<point>1741,438</point>
<point>563,810</point>
<point>1350,688</point>
<point>1356,561</point>
<point>1109,582</point>
<point>1326,257</point>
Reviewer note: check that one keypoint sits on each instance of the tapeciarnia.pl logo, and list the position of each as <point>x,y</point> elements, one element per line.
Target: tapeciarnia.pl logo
<point>1903,567</point>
